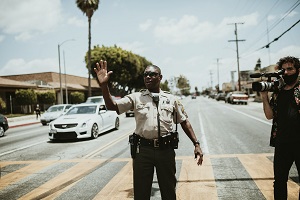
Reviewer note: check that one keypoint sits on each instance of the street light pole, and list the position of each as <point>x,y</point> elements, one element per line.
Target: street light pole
<point>65,79</point>
<point>61,97</point>
<point>60,85</point>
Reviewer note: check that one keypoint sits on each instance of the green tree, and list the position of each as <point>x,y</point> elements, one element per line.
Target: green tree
<point>164,86</point>
<point>77,97</point>
<point>183,85</point>
<point>26,97</point>
<point>2,105</point>
<point>46,97</point>
<point>88,7</point>
<point>127,67</point>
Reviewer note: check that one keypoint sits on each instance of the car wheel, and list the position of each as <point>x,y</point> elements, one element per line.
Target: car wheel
<point>127,115</point>
<point>1,131</point>
<point>117,123</point>
<point>44,124</point>
<point>94,131</point>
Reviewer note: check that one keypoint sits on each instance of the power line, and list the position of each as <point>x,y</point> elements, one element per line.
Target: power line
<point>268,45</point>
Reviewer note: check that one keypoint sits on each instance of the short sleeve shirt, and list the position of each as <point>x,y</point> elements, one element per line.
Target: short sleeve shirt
<point>145,112</point>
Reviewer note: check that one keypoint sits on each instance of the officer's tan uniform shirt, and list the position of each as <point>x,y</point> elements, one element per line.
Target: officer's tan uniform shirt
<point>145,112</point>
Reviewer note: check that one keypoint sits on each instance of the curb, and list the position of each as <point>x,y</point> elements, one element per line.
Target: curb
<point>19,125</point>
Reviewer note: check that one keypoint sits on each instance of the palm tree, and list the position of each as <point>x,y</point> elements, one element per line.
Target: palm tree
<point>88,7</point>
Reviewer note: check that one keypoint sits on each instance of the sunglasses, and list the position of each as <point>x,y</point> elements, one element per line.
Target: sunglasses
<point>150,74</point>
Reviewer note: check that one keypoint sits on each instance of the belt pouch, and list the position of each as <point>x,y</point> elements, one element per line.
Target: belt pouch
<point>133,140</point>
<point>174,139</point>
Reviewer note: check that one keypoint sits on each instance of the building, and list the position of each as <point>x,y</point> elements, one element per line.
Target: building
<point>44,81</point>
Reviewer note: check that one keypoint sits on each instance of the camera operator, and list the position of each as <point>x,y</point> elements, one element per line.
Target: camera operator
<point>284,109</point>
<point>154,143</point>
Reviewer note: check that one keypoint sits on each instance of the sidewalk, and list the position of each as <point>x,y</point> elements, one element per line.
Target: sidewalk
<point>22,121</point>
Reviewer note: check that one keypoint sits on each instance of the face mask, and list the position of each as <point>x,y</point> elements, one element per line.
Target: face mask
<point>289,80</point>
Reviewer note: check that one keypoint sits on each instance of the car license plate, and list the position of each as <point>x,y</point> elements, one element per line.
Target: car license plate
<point>53,131</point>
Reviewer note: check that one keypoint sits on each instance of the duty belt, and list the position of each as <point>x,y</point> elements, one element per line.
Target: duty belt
<point>149,142</point>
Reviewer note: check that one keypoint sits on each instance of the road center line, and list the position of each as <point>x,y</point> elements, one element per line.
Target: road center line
<point>250,116</point>
<point>203,140</point>
<point>21,148</point>
<point>99,150</point>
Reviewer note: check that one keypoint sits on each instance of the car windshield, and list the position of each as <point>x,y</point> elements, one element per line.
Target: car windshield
<point>82,110</point>
<point>55,108</point>
<point>94,100</point>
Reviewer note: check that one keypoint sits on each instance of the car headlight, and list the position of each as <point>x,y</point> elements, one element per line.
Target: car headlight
<point>85,124</point>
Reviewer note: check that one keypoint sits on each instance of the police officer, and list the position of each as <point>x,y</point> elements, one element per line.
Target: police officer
<point>154,112</point>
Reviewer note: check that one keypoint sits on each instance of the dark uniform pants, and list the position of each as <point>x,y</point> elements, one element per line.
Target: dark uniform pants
<point>285,155</point>
<point>143,170</point>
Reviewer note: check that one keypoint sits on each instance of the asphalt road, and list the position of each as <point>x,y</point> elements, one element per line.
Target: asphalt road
<point>237,162</point>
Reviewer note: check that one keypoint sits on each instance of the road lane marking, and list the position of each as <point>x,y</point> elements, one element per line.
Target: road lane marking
<point>103,148</point>
<point>61,181</point>
<point>196,181</point>
<point>21,148</point>
<point>203,140</point>
<point>120,186</point>
<point>250,116</point>
<point>17,175</point>
<point>260,168</point>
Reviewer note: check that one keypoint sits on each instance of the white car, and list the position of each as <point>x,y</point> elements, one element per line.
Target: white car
<point>53,112</point>
<point>86,120</point>
<point>95,99</point>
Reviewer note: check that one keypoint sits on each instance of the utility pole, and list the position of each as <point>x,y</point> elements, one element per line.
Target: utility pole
<point>237,51</point>
<point>211,81</point>
<point>218,73</point>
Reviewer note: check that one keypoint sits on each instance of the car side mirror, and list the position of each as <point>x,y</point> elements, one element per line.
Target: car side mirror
<point>102,111</point>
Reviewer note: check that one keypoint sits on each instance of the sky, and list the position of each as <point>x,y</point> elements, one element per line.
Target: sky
<point>189,38</point>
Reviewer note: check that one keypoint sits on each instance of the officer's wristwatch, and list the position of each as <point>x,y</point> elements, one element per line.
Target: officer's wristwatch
<point>196,142</point>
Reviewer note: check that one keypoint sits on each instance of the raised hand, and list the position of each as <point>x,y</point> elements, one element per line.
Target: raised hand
<point>101,71</point>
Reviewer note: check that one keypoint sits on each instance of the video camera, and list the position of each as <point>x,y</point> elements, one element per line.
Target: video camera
<point>268,85</point>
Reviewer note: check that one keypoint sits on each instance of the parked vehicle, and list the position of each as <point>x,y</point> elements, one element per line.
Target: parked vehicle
<point>53,112</point>
<point>3,125</point>
<point>220,96</point>
<point>95,99</point>
<point>238,97</point>
<point>227,97</point>
<point>83,121</point>
<point>98,99</point>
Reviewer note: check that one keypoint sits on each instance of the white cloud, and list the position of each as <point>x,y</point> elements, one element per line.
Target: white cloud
<point>292,14</point>
<point>189,29</point>
<point>185,30</point>
<point>19,66</point>
<point>23,18</point>
<point>146,25</point>
<point>135,47</point>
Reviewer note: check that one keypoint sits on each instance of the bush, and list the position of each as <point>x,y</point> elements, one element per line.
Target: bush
<point>77,97</point>
<point>2,105</point>
<point>26,97</point>
<point>46,97</point>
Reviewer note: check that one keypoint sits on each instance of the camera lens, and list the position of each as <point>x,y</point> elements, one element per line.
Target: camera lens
<point>262,86</point>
